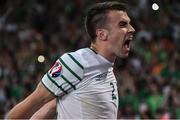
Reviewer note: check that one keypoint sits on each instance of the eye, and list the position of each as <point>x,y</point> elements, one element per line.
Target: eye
<point>122,24</point>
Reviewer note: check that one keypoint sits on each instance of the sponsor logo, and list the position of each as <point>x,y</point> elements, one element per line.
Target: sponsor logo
<point>101,76</point>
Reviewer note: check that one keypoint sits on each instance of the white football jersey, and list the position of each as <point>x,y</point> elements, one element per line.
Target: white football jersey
<point>85,86</point>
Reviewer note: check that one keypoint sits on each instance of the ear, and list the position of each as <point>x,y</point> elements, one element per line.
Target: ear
<point>102,34</point>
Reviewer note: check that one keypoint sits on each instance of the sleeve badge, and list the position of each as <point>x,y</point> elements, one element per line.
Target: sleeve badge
<point>55,71</point>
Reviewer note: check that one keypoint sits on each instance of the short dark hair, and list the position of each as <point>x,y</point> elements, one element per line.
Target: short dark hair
<point>96,16</point>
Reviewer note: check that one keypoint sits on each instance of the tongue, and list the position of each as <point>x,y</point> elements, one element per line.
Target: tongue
<point>126,47</point>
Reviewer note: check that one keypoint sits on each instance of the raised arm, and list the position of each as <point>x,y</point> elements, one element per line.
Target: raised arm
<point>48,111</point>
<point>31,104</point>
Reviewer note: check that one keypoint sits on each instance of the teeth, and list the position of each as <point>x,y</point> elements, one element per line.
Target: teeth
<point>131,38</point>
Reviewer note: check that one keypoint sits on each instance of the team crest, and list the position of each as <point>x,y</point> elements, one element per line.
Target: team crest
<point>55,71</point>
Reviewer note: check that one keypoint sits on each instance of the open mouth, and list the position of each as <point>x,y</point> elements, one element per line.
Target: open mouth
<point>127,42</point>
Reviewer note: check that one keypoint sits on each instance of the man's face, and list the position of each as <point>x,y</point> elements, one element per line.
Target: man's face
<point>120,33</point>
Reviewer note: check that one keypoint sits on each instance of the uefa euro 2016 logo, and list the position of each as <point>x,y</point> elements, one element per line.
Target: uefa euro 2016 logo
<point>55,71</point>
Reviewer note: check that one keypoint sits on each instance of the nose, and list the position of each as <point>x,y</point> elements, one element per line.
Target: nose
<point>131,29</point>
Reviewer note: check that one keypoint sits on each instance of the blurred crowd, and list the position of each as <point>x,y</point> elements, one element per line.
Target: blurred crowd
<point>148,81</point>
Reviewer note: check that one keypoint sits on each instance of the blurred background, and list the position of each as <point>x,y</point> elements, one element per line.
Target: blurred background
<point>34,33</point>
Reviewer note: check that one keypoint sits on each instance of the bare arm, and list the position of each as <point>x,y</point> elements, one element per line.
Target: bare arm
<point>31,104</point>
<point>48,111</point>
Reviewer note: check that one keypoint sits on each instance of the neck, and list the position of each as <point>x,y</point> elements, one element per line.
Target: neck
<point>103,51</point>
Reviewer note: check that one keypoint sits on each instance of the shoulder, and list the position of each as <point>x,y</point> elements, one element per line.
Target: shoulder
<point>73,58</point>
<point>79,57</point>
<point>73,63</point>
<point>83,58</point>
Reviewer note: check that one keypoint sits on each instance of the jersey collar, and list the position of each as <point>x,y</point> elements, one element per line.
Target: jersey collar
<point>110,64</point>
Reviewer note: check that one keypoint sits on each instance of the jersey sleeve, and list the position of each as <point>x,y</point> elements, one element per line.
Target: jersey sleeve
<point>64,75</point>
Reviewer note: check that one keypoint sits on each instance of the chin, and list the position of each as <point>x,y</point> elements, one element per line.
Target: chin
<point>124,55</point>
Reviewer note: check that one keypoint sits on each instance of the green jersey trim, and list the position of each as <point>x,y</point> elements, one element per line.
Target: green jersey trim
<point>56,84</point>
<point>75,61</point>
<point>48,89</point>
<point>65,79</point>
<point>70,69</point>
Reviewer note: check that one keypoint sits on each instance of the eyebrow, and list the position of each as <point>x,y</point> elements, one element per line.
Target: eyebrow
<point>127,20</point>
